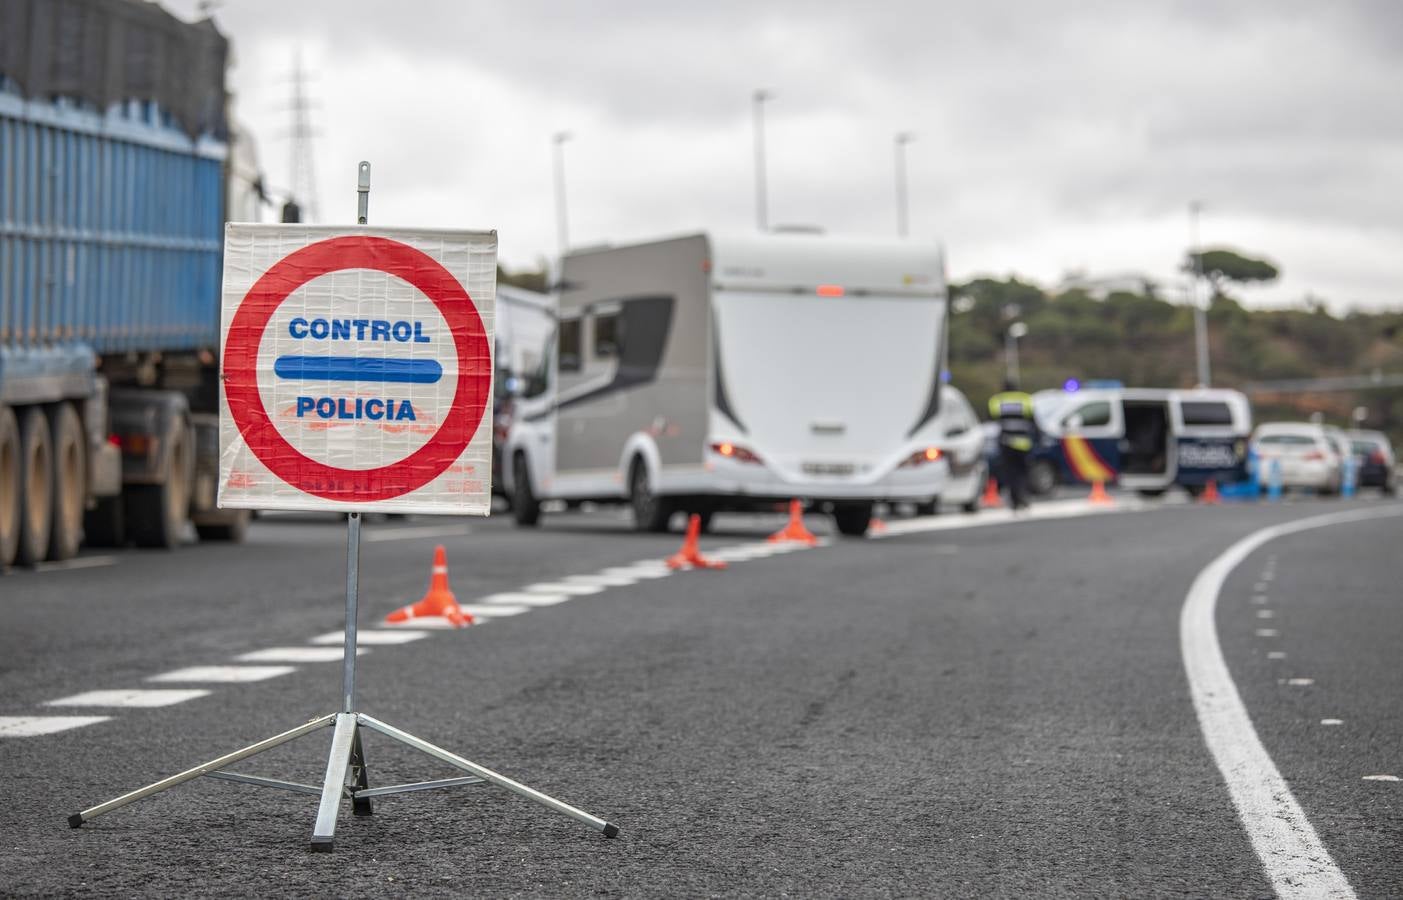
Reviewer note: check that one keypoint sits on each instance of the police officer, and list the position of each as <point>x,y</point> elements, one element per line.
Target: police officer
<point>1013,410</point>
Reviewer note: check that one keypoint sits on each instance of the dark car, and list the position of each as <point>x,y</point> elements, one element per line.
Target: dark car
<point>1375,457</point>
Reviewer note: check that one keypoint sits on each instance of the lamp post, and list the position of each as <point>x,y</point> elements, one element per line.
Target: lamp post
<point>561,227</point>
<point>1015,331</point>
<point>759,99</point>
<point>1200,314</point>
<point>902,200</point>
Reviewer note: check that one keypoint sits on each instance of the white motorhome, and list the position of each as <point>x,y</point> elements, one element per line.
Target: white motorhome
<point>705,373</point>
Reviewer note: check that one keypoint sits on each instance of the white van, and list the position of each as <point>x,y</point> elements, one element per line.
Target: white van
<point>706,373</point>
<point>1144,439</point>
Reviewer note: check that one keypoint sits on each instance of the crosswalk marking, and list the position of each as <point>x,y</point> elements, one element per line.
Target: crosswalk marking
<point>371,637</point>
<point>296,655</point>
<point>131,697</point>
<point>32,726</point>
<point>224,674</point>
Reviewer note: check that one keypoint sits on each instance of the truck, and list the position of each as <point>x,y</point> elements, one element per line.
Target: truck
<point>114,150</point>
<point>736,372</point>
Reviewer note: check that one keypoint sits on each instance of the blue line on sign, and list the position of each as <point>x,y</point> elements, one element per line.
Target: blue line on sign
<point>351,368</point>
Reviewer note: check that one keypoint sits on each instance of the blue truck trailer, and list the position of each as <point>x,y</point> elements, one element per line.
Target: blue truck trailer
<point>113,189</point>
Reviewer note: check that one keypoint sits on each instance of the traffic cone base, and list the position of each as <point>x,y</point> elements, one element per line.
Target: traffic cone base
<point>991,498</point>
<point>877,526</point>
<point>1099,495</point>
<point>690,554</point>
<point>1210,496</point>
<point>795,531</point>
<point>439,602</point>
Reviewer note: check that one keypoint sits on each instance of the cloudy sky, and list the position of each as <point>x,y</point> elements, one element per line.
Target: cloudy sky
<point>1049,137</point>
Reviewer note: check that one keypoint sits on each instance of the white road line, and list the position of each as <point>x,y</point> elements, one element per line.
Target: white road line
<point>1381,778</point>
<point>131,697</point>
<point>1295,860</point>
<point>224,674</point>
<point>32,726</point>
<point>521,598</point>
<point>1332,721</point>
<point>639,571</point>
<point>493,611</point>
<point>371,638</point>
<point>427,623</point>
<point>561,587</point>
<point>82,562</point>
<point>601,580</point>
<point>1265,614</point>
<point>1300,682</point>
<point>1267,632</point>
<point>1052,509</point>
<point>409,534</point>
<point>1277,654</point>
<point>298,654</point>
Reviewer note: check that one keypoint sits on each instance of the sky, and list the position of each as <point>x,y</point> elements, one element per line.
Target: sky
<point>1047,137</point>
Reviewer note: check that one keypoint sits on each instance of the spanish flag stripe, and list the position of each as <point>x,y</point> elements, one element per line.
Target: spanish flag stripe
<point>1084,461</point>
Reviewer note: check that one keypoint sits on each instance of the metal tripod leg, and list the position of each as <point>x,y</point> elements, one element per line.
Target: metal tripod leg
<point>487,775</point>
<point>77,819</point>
<point>360,778</point>
<point>334,787</point>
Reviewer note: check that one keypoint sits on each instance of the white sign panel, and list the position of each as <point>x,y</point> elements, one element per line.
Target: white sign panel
<point>356,369</point>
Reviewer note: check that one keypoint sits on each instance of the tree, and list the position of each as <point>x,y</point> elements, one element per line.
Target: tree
<point>1219,264</point>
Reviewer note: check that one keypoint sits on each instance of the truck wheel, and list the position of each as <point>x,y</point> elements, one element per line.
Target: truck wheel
<point>526,509</point>
<point>10,507</point>
<point>650,512</point>
<point>156,513</point>
<point>70,483</point>
<point>36,486</point>
<point>234,531</point>
<point>852,519</point>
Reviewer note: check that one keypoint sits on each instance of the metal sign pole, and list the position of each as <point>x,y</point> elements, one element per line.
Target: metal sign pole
<point>348,672</point>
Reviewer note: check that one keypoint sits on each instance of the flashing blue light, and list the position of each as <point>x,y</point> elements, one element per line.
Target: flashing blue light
<point>945,376</point>
<point>1071,385</point>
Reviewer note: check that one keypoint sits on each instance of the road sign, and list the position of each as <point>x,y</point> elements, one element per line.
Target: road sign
<point>357,369</point>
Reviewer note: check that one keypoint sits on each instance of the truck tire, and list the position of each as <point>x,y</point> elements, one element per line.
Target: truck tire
<point>156,513</point>
<point>526,509</point>
<point>10,508</point>
<point>650,512</point>
<point>233,531</point>
<point>852,519</point>
<point>70,483</point>
<point>36,486</point>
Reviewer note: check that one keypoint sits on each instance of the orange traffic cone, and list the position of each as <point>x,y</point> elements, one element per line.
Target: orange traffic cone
<point>1210,495</point>
<point>1099,495</point>
<point>690,555</point>
<point>439,601</point>
<point>795,530</point>
<point>991,498</point>
<point>877,526</point>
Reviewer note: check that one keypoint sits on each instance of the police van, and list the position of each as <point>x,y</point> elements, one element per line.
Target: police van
<point>1143,439</point>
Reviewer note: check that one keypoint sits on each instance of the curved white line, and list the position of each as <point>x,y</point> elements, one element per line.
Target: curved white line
<point>1291,852</point>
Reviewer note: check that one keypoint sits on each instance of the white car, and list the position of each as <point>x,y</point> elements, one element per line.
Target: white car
<point>963,446</point>
<point>1305,454</point>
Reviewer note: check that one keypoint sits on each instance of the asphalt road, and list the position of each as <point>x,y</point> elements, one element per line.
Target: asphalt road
<point>998,710</point>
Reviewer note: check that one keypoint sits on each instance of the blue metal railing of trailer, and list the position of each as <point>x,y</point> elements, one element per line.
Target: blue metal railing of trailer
<point>110,234</point>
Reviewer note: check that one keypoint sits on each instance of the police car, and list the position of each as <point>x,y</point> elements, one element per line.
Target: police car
<point>1143,439</point>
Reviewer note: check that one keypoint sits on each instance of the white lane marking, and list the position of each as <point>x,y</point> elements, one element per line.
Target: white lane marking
<point>658,571</point>
<point>1267,632</point>
<point>1259,586</point>
<point>1332,721</point>
<point>1295,860</point>
<point>224,674</point>
<point>1260,598</point>
<point>297,654</point>
<point>1300,682</point>
<point>409,534</point>
<point>132,697</point>
<point>33,726</point>
<point>1052,509</point>
<point>495,611</point>
<point>601,580</point>
<point>518,598</point>
<point>1277,654</point>
<point>560,587</point>
<point>370,637</point>
<point>82,562</point>
<point>1265,614</point>
<point>426,623</point>
<point>1268,575</point>
<point>1381,778</point>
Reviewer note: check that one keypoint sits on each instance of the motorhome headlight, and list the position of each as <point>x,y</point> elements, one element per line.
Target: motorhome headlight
<point>921,457</point>
<point>734,451</point>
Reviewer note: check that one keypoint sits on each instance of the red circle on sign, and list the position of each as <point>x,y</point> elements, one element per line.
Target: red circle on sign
<point>250,321</point>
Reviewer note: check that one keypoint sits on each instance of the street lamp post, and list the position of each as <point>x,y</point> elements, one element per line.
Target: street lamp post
<point>1015,331</point>
<point>561,227</point>
<point>1200,314</point>
<point>761,211</point>
<point>902,200</point>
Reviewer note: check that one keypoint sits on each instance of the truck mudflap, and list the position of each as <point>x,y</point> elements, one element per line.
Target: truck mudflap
<point>142,420</point>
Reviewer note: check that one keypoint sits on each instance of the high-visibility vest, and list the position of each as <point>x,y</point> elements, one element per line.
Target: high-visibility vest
<point>1013,410</point>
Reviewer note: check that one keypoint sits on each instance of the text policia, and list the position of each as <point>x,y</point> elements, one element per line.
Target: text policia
<point>357,368</point>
